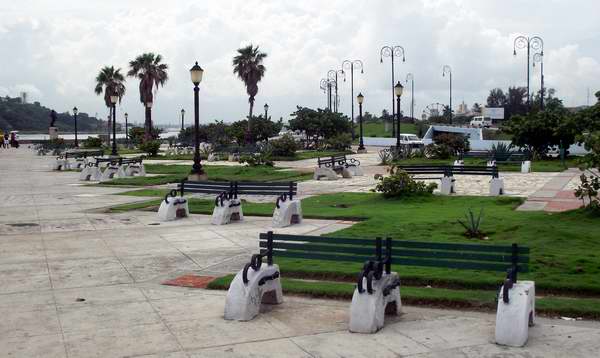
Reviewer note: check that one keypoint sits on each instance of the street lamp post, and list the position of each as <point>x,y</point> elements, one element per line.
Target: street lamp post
<point>266,110</point>
<point>197,172</point>
<point>332,75</point>
<point>361,145</point>
<point>126,129</point>
<point>447,69</point>
<point>113,100</point>
<point>411,77</point>
<point>530,43</point>
<point>182,117</point>
<point>350,64</point>
<point>392,52</point>
<point>325,85</point>
<point>398,89</point>
<point>75,111</point>
<point>539,57</point>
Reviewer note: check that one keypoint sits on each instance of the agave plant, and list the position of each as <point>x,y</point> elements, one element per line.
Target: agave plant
<point>500,149</point>
<point>472,225</point>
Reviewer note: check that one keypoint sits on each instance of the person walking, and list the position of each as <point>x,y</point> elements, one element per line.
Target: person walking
<point>5,141</point>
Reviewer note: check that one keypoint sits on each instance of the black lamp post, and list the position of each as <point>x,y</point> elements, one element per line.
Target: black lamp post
<point>75,111</point>
<point>392,52</point>
<point>126,129</point>
<point>332,75</point>
<point>447,69</point>
<point>266,111</point>
<point>411,77</point>
<point>539,57</point>
<point>530,43</point>
<point>113,100</point>
<point>182,116</point>
<point>197,172</point>
<point>361,145</point>
<point>350,64</point>
<point>398,88</point>
<point>326,85</point>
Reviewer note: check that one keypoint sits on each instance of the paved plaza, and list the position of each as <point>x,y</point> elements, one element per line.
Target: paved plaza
<point>77,282</point>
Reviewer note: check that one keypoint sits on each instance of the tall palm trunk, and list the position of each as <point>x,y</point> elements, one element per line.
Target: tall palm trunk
<point>248,135</point>
<point>148,124</point>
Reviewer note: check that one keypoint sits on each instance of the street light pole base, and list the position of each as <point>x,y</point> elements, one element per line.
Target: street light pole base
<point>361,150</point>
<point>197,177</point>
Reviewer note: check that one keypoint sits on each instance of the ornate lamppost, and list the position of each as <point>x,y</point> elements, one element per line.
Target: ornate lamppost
<point>447,69</point>
<point>530,43</point>
<point>266,110</point>
<point>411,77</point>
<point>182,117</point>
<point>113,100</point>
<point>398,89</point>
<point>539,57</point>
<point>126,129</point>
<point>75,111</point>
<point>361,146</point>
<point>349,65</point>
<point>332,75</point>
<point>197,172</point>
<point>392,52</point>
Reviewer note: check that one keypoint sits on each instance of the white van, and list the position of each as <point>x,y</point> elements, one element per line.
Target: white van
<point>411,139</point>
<point>481,122</point>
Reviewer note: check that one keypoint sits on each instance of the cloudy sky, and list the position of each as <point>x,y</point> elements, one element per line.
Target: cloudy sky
<point>54,49</point>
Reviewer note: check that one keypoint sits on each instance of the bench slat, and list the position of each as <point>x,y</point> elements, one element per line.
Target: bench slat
<point>326,257</point>
<point>320,239</point>
<point>462,265</point>
<point>457,247</point>
<point>466,256</point>
<point>310,249</point>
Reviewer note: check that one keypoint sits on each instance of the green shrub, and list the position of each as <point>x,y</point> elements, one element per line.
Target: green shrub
<point>400,184</point>
<point>285,146</point>
<point>150,147</point>
<point>341,141</point>
<point>588,191</point>
<point>92,142</point>
<point>456,143</point>
<point>436,151</point>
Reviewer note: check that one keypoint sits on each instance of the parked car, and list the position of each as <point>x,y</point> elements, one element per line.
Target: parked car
<point>481,122</point>
<point>411,140</point>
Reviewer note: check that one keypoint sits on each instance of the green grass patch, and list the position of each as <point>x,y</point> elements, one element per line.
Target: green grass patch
<point>438,297</point>
<point>176,173</point>
<point>377,129</point>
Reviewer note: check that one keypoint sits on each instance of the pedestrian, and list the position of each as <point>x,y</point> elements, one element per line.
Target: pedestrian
<point>5,141</point>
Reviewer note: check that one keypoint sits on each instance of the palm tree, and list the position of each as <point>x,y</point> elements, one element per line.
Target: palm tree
<point>249,68</point>
<point>151,73</point>
<point>110,82</point>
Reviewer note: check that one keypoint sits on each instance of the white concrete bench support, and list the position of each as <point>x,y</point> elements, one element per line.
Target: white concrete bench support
<point>326,173</point>
<point>287,212</point>
<point>262,285</point>
<point>173,207</point>
<point>109,173</point>
<point>514,318</point>
<point>496,186</point>
<point>447,185</point>
<point>226,211</point>
<point>368,310</point>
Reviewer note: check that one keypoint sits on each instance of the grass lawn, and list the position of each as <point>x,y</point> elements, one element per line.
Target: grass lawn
<point>175,173</point>
<point>377,129</point>
<point>565,254</point>
<point>546,165</point>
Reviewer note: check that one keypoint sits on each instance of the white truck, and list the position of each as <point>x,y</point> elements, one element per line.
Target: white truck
<point>481,122</point>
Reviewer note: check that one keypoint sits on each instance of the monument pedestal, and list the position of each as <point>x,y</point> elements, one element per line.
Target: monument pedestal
<point>53,132</point>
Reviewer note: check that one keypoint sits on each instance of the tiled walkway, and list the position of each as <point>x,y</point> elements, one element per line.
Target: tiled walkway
<point>556,195</point>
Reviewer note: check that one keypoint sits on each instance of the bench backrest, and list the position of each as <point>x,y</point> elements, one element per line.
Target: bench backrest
<point>83,153</point>
<point>239,187</point>
<point>332,160</point>
<point>409,253</point>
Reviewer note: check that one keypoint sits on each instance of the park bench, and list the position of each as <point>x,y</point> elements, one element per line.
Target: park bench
<point>378,288</point>
<point>119,167</point>
<point>493,159</point>
<point>228,207</point>
<point>330,167</point>
<point>447,173</point>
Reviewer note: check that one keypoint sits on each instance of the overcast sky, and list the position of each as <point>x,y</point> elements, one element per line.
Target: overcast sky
<point>54,49</point>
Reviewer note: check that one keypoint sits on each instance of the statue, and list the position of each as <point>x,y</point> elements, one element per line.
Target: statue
<point>52,117</point>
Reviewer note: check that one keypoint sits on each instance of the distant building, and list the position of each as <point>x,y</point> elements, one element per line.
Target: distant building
<point>23,97</point>
<point>462,109</point>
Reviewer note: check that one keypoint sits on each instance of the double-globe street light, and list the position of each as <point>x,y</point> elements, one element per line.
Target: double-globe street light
<point>392,52</point>
<point>361,145</point>
<point>266,110</point>
<point>539,57</point>
<point>326,85</point>
<point>197,172</point>
<point>332,75</point>
<point>411,77</point>
<point>75,111</point>
<point>349,65</point>
<point>113,100</point>
<point>534,43</point>
<point>398,89</point>
<point>448,70</point>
